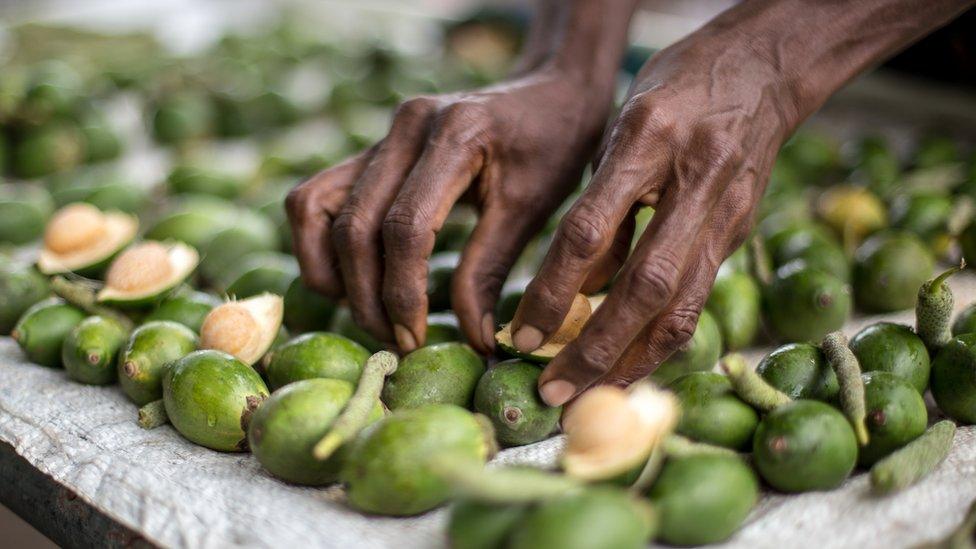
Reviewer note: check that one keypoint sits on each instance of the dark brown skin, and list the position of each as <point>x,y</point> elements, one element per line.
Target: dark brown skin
<point>365,228</point>
<point>696,139</point>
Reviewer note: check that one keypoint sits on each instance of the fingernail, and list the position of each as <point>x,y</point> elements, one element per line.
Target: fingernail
<point>527,338</point>
<point>557,392</point>
<point>488,331</point>
<point>404,337</point>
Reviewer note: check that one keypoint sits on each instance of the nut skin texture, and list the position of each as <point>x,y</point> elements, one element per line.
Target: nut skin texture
<point>42,329</point>
<point>286,427</point>
<point>800,371</point>
<point>703,499</point>
<point>953,383</point>
<point>894,348</point>
<point>896,415</point>
<point>388,471</point>
<point>803,446</point>
<point>20,287</point>
<point>507,395</point>
<point>90,350</point>
<point>888,270</point>
<point>316,354</point>
<point>209,396</point>
<point>446,373</point>
<point>146,355</point>
<point>711,413</point>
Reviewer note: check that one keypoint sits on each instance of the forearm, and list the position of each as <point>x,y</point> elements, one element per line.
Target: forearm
<point>816,46</point>
<point>583,38</point>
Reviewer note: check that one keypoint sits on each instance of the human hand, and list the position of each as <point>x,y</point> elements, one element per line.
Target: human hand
<point>696,140</point>
<point>365,228</point>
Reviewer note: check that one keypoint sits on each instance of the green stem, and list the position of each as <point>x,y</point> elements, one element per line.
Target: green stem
<point>470,479</point>
<point>679,446</point>
<point>81,294</point>
<point>915,460</point>
<point>153,415</point>
<point>750,387</point>
<point>933,310</point>
<point>356,413</point>
<point>845,365</point>
<point>650,471</point>
<point>761,267</point>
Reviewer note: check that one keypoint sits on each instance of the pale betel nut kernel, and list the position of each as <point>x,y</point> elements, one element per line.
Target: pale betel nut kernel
<point>143,266</point>
<point>74,227</point>
<point>600,418</point>
<point>229,328</point>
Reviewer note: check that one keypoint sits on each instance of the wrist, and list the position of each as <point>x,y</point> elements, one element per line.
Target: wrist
<point>581,41</point>
<point>812,49</point>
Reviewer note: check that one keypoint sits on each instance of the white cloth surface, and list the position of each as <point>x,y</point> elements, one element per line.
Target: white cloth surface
<point>177,494</point>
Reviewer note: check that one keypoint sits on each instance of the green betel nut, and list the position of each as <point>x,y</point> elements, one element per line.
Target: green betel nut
<point>41,330</point>
<point>284,430</point>
<point>896,415</point>
<point>800,371</point>
<point>305,310</point>
<point>596,518</point>
<point>20,287</point>
<point>146,355</point>
<point>712,413</point>
<point>953,380</point>
<point>89,351</point>
<point>388,470</point>
<point>316,354</point>
<point>888,270</point>
<point>703,499</point>
<point>894,348</point>
<point>188,307</point>
<point>438,374</point>
<point>736,305</point>
<point>802,446</point>
<point>700,353</point>
<point>805,304</point>
<point>210,397</point>
<point>507,394</point>
<point>477,525</point>
<point>965,322</point>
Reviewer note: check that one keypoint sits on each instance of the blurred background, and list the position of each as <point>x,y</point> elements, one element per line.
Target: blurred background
<point>104,100</point>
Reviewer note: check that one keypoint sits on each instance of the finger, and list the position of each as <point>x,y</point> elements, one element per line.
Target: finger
<point>672,325</point>
<point>356,231</point>
<point>672,329</point>
<point>446,168</point>
<point>311,206</point>
<point>584,237</point>
<point>494,246</point>
<point>608,265</point>
<point>648,282</point>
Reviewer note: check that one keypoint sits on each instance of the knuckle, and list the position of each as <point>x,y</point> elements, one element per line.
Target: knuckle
<point>351,228</point>
<point>645,116</point>
<point>712,151</point>
<point>678,327</point>
<point>597,357</point>
<point>405,228</point>
<point>654,282</point>
<point>416,108</point>
<point>295,198</point>
<point>459,123</point>
<point>584,233</point>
